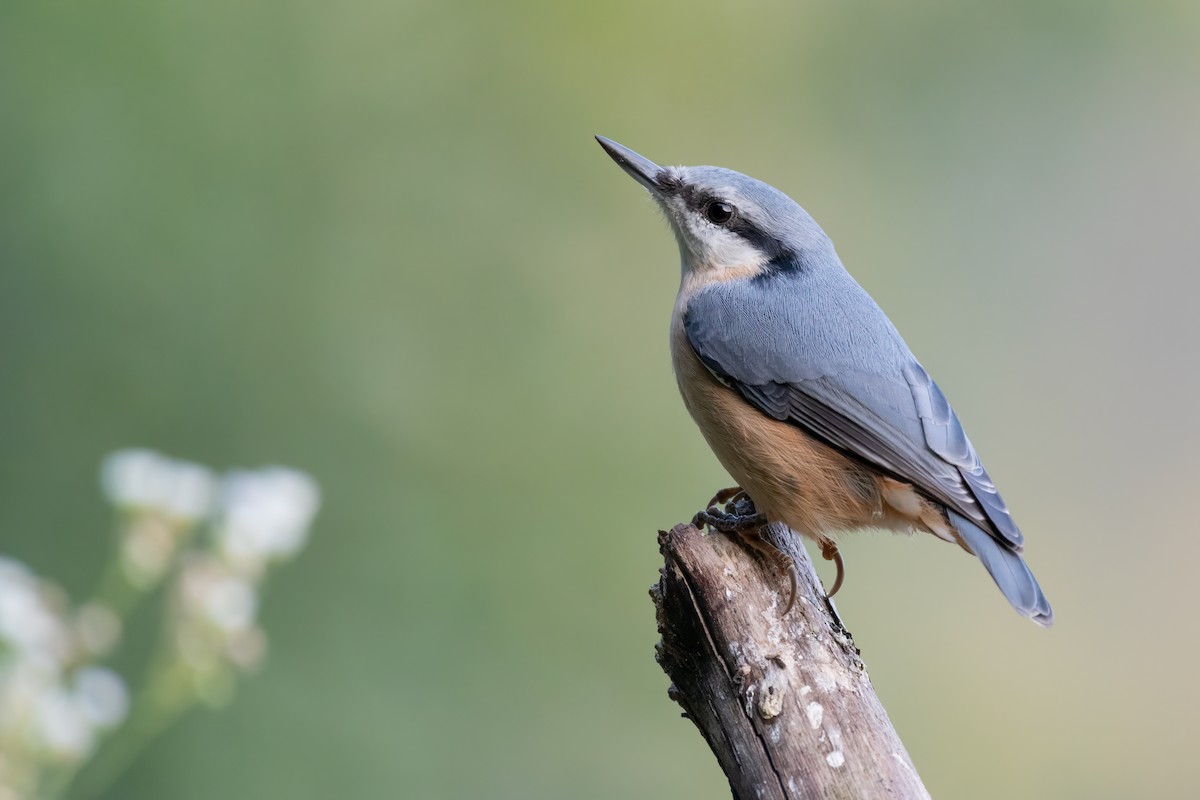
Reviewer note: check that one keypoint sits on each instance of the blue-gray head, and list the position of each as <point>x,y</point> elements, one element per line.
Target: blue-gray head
<point>727,224</point>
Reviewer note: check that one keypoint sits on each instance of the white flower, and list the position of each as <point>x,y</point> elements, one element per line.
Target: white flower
<point>266,513</point>
<point>231,603</point>
<point>100,696</point>
<point>21,687</point>
<point>210,591</point>
<point>145,479</point>
<point>11,569</point>
<point>62,726</point>
<point>27,622</point>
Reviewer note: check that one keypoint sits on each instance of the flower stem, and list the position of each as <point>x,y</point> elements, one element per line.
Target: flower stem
<point>165,698</point>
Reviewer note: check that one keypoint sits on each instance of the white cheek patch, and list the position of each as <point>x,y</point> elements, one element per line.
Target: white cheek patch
<point>709,249</point>
<point>727,250</point>
<point>715,248</point>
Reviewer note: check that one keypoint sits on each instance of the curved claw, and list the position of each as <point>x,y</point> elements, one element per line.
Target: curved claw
<point>794,583</point>
<point>829,551</point>
<point>724,496</point>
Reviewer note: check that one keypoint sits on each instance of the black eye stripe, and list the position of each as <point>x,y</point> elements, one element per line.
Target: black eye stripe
<point>775,250</point>
<point>770,246</point>
<point>699,200</point>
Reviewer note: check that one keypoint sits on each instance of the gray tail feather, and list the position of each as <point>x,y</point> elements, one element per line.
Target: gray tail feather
<point>1007,569</point>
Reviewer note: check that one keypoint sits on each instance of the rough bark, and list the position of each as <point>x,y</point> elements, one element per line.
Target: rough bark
<point>784,702</point>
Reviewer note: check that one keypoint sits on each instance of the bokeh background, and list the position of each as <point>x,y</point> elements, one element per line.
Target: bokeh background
<point>376,241</point>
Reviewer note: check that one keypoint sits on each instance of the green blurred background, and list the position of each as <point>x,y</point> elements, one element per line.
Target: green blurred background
<point>376,241</point>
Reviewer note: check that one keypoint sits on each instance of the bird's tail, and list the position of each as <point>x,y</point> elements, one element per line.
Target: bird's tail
<point>1007,569</point>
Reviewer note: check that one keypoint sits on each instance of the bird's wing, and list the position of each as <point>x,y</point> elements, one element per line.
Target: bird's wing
<point>853,384</point>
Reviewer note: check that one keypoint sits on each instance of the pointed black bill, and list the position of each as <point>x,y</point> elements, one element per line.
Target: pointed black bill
<point>641,169</point>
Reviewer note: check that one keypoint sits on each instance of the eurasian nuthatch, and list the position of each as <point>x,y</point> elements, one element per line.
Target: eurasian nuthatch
<point>804,389</point>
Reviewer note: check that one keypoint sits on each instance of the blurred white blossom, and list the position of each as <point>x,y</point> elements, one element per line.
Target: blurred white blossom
<point>51,709</point>
<point>28,622</point>
<point>21,687</point>
<point>266,513</point>
<point>67,722</point>
<point>100,696</point>
<point>212,544</point>
<point>62,726</point>
<point>215,628</point>
<point>231,604</point>
<point>213,593</point>
<point>143,479</point>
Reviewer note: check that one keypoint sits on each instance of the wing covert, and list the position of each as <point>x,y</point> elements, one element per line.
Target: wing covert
<point>854,385</point>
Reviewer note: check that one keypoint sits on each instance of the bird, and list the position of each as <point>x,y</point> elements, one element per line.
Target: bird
<point>806,392</point>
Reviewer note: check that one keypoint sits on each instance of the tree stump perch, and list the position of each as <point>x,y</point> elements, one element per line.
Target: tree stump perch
<point>784,703</point>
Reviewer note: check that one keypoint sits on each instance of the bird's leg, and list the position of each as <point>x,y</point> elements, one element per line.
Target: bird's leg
<point>829,551</point>
<point>741,517</point>
<point>730,495</point>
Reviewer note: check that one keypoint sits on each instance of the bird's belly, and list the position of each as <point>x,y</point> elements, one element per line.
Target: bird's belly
<point>791,476</point>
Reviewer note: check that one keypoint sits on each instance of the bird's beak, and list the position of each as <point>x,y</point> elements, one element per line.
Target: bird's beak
<point>642,170</point>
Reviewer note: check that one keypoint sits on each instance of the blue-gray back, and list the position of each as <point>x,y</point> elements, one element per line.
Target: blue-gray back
<point>806,344</point>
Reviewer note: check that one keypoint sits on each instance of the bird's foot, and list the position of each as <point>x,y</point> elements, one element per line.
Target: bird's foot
<point>733,520</point>
<point>829,551</point>
<point>741,517</point>
<point>739,514</point>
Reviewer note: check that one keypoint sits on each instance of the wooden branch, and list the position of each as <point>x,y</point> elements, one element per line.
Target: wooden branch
<point>785,704</point>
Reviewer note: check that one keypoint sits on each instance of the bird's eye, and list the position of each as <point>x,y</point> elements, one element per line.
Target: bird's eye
<point>718,212</point>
